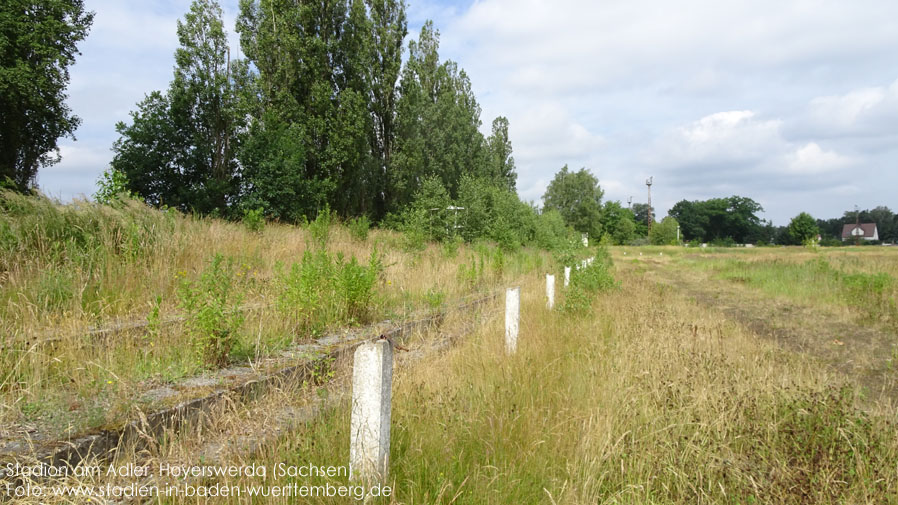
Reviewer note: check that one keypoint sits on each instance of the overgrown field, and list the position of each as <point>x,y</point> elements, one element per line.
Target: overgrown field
<point>663,375</point>
<point>862,280</point>
<point>182,295</point>
<point>646,397</point>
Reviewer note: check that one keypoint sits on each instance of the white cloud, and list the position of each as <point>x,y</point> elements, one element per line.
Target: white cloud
<point>865,112</point>
<point>810,159</point>
<point>779,101</point>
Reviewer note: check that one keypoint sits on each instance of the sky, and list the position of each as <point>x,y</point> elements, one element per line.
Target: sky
<point>793,104</point>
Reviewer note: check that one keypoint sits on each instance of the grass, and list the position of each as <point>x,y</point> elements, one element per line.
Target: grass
<point>647,398</point>
<point>863,280</point>
<point>241,291</point>
<point>636,394</point>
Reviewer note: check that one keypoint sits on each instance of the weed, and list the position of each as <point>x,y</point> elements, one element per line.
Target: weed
<point>320,227</point>
<point>434,298</point>
<point>254,219</point>
<point>322,290</point>
<point>358,228</point>
<point>213,311</point>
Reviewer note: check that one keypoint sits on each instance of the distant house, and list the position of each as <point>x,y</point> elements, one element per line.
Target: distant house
<point>865,231</point>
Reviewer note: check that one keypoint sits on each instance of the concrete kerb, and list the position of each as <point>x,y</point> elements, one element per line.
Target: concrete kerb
<point>140,432</point>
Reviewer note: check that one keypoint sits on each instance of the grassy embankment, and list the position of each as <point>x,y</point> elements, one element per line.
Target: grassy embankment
<point>645,397</point>
<point>239,294</point>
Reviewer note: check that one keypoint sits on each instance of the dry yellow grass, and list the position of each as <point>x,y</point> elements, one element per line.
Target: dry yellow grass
<point>650,398</point>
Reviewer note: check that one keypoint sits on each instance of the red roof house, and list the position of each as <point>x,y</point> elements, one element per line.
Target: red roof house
<point>865,231</point>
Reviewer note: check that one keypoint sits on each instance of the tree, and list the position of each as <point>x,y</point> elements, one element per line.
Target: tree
<point>179,149</point>
<point>501,163</point>
<point>38,43</point>
<point>618,222</point>
<point>578,197</point>
<point>719,218</point>
<point>664,232</point>
<point>437,124</point>
<point>317,63</point>
<point>803,228</point>
<point>641,216</point>
<point>692,218</point>
<point>886,223</point>
<point>388,30</point>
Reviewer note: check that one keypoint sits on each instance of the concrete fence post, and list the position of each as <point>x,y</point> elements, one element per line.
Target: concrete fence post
<point>550,291</point>
<point>567,276</point>
<point>512,318</point>
<point>369,439</point>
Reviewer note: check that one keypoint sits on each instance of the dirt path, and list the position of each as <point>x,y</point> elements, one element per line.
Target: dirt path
<point>865,354</point>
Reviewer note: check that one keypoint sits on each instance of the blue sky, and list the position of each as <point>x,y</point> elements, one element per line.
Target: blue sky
<point>794,104</point>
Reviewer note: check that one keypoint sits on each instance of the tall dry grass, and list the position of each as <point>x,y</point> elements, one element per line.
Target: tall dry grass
<point>647,399</point>
<point>65,269</point>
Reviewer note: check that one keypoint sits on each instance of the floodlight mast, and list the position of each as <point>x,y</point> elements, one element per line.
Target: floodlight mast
<point>648,182</point>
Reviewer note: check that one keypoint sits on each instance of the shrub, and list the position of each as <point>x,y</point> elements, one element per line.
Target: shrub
<point>213,311</point>
<point>320,227</point>
<point>253,219</point>
<point>322,290</point>
<point>358,228</point>
<point>588,281</point>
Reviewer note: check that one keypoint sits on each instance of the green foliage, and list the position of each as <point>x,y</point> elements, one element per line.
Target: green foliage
<point>213,311</point>
<point>433,201</point>
<point>501,163</point>
<point>327,100</point>
<point>38,44</point>
<point>586,282</point>
<point>180,148</point>
<point>358,228</point>
<point>618,223</point>
<point>734,217</point>
<point>550,231</point>
<point>803,228</point>
<point>321,226</point>
<point>414,227</point>
<point>254,219</point>
<point>578,197</point>
<point>323,290</point>
<point>665,232</point>
<point>470,275</point>
<point>112,187</point>
<point>435,299</point>
<point>437,124</point>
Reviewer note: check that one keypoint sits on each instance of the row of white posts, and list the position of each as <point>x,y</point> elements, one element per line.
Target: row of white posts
<point>372,380</point>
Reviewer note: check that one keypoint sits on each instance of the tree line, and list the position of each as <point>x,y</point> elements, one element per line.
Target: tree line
<point>734,220</point>
<point>321,113</point>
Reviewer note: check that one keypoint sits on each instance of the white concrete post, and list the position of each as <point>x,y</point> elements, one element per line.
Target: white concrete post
<point>550,291</point>
<point>512,318</point>
<point>585,240</point>
<point>369,438</point>
<point>567,276</point>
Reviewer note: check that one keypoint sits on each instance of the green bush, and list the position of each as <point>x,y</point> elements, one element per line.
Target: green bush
<point>213,311</point>
<point>321,226</point>
<point>254,219</point>
<point>586,282</point>
<point>358,228</point>
<point>322,290</point>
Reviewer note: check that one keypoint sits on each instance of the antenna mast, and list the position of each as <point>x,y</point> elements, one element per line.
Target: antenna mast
<point>648,182</point>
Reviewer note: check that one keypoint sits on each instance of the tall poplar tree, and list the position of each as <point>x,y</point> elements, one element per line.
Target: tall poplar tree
<point>438,121</point>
